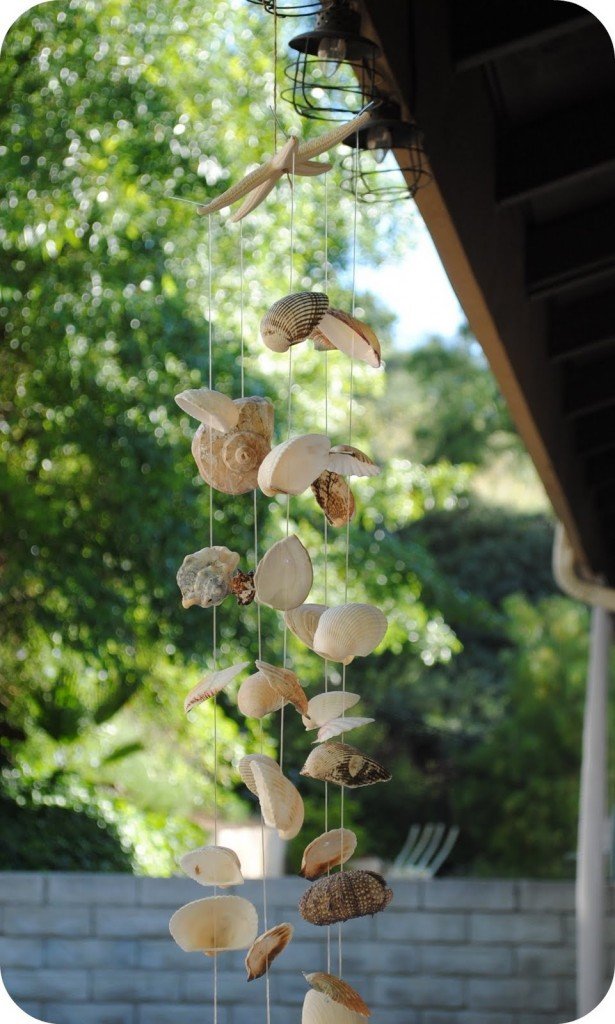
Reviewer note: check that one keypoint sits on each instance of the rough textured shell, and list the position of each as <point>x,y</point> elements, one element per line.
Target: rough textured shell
<point>241,585</point>
<point>338,990</point>
<point>302,621</point>
<point>319,1008</point>
<point>284,575</point>
<point>292,466</point>
<point>334,497</point>
<point>351,461</point>
<point>214,924</point>
<point>281,803</point>
<point>324,707</point>
<point>349,631</point>
<point>229,461</point>
<point>327,851</point>
<point>204,576</point>
<point>265,949</point>
<point>337,726</point>
<point>245,767</point>
<point>344,765</point>
<point>210,407</point>
<point>349,335</point>
<point>286,684</point>
<point>344,895</point>
<point>213,865</point>
<point>292,319</point>
<point>212,684</point>
<point>257,698</point>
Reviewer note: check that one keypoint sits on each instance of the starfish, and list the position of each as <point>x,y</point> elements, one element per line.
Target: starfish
<point>291,159</point>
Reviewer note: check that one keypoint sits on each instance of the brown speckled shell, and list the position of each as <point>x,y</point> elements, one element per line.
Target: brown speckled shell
<point>339,991</point>
<point>345,895</point>
<point>241,585</point>
<point>293,318</point>
<point>334,497</point>
<point>344,765</point>
<point>265,949</point>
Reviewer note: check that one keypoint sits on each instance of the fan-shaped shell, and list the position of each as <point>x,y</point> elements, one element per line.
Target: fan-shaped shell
<point>257,698</point>
<point>292,319</point>
<point>286,684</point>
<point>302,621</point>
<point>292,466</point>
<point>204,576</point>
<point>349,335</point>
<point>213,865</point>
<point>327,851</point>
<point>337,726</point>
<point>284,575</point>
<point>344,765</point>
<point>324,707</point>
<point>351,461</point>
<point>334,497</point>
<point>215,924</point>
<point>245,767</point>
<point>265,949</point>
<point>319,1008</point>
<point>229,461</point>
<point>210,407</point>
<point>281,803</point>
<point>344,895</point>
<point>349,631</point>
<point>339,991</point>
<point>212,684</point>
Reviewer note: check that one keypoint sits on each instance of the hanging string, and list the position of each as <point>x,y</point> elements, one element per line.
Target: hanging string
<point>241,307</point>
<point>326,524</point>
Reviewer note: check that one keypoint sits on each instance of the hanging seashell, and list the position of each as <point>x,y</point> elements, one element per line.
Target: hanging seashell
<point>256,698</point>
<point>337,726</point>
<point>229,461</point>
<point>321,344</point>
<point>213,865</point>
<point>210,407</point>
<point>245,768</point>
<point>292,466</point>
<point>343,896</point>
<point>327,851</point>
<point>265,949</point>
<point>324,707</point>
<point>302,621</point>
<point>211,684</point>
<point>284,575</point>
<point>214,925</point>
<point>319,1008</point>
<point>349,631</point>
<point>349,335</point>
<point>351,461</point>
<point>281,802</point>
<point>204,576</point>
<point>292,319</point>
<point>242,586</point>
<point>286,684</point>
<point>339,991</point>
<point>344,765</point>
<point>334,497</point>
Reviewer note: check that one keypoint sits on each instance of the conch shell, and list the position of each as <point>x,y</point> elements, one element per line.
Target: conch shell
<point>257,698</point>
<point>265,949</point>
<point>284,575</point>
<point>327,851</point>
<point>292,319</point>
<point>210,407</point>
<point>215,924</point>
<point>229,460</point>
<point>302,621</point>
<point>349,631</point>
<point>204,576</point>
<point>211,684</point>
<point>213,865</point>
<point>343,896</point>
<point>324,707</point>
<point>292,466</point>
<point>286,684</point>
<point>344,765</point>
<point>339,991</point>
<point>334,497</point>
<point>319,1008</point>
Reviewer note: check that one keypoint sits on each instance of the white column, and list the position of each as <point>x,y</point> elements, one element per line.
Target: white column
<point>591,860</point>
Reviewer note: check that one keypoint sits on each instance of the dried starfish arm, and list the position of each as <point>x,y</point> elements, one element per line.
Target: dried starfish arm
<point>256,197</point>
<point>309,168</point>
<point>251,181</point>
<point>331,138</point>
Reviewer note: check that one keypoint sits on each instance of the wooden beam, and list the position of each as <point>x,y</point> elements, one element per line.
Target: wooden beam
<point>571,250</point>
<point>581,327</point>
<point>589,386</point>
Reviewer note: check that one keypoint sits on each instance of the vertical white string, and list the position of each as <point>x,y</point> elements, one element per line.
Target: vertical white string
<point>241,306</point>
<point>326,523</point>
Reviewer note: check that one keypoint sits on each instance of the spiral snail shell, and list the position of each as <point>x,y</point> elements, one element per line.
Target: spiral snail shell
<point>229,460</point>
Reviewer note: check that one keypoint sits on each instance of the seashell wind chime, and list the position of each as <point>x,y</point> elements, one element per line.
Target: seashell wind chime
<point>234,452</point>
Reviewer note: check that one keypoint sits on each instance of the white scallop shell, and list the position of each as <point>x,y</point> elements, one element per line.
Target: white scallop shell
<point>257,698</point>
<point>286,684</point>
<point>339,725</point>
<point>347,460</point>
<point>211,684</point>
<point>292,466</point>
<point>324,707</point>
<point>245,768</point>
<point>349,335</point>
<point>320,1009</point>
<point>210,407</point>
<point>213,865</point>
<point>281,802</point>
<point>215,924</point>
<point>284,575</point>
<point>327,851</point>
<point>302,621</point>
<point>349,631</point>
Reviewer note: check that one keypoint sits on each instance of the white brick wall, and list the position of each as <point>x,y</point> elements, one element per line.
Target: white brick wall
<point>95,949</point>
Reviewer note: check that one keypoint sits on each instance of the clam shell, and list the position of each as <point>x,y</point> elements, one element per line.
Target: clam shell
<point>343,896</point>
<point>210,407</point>
<point>245,767</point>
<point>302,621</point>
<point>257,698</point>
<point>334,497</point>
<point>265,949</point>
<point>327,851</point>
<point>344,765</point>
<point>339,991</point>
<point>286,684</point>
<point>242,586</point>
<point>204,576</point>
<point>292,319</point>
<point>324,707</point>
<point>284,575</point>
<point>281,803</point>
<point>351,461</point>
<point>213,865</point>
<point>292,466</point>
<point>319,1008</point>
<point>215,924</point>
<point>229,460</point>
<point>212,684</point>
<point>337,726</point>
<point>349,631</point>
<point>349,335</point>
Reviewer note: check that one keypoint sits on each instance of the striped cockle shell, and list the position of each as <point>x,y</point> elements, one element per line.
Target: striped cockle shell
<point>324,707</point>
<point>292,319</point>
<point>284,575</point>
<point>280,801</point>
<point>211,684</point>
<point>245,768</point>
<point>213,865</point>
<point>350,461</point>
<point>327,851</point>
<point>210,407</point>
<point>349,335</point>
<point>292,466</point>
<point>229,460</point>
<point>349,631</point>
<point>257,698</point>
<point>302,621</point>
<point>204,576</point>
<point>344,765</point>
<point>343,896</point>
<point>339,991</point>
<point>286,684</point>
<point>337,726</point>
<point>215,924</point>
<point>319,1008</point>
<point>265,949</point>
<point>334,497</point>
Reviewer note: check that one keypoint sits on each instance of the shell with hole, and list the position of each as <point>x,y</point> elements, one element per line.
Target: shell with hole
<point>344,765</point>
<point>319,1008</point>
<point>265,949</point>
<point>327,851</point>
<point>302,621</point>
<point>343,896</point>
<point>349,631</point>
<point>292,466</point>
<point>211,684</point>
<point>204,576</point>
<point>245,768</point>
<point>349,335</point>
<point>339,991</point>
<point>351,461</point>
<point>210,407</point>
<point>284,575</point>
<point>257,698</point>
<point>334,497</point>
<point>213,865</point>
<point>215,924</point>
<point>337,726</point>
<point>281,802</point>
<point>229,460</point>
<point>292,319</point>
<point>286,684</point>
<point>324,707</point>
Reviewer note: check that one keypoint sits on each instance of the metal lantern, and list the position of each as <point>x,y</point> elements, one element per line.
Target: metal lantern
<point>334,73</point>
<point>371,171</point>
<point>289,8</point>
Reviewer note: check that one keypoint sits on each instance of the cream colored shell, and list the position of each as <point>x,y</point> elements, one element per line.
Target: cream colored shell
<point>280,801</point>
<point>204,576</point>
<point>211,684</point>
<point>257,698</point>
<point>266,948</point>
<point>349,631</point>
<point>327,851</point>
<point>337,726</point>
<point>292,466</point>
<point>213,865</point>
<point>284,575</point>
<point>344,765</point>
<point>292,319</point>
<point>210,407</point>
<point>286,684</point>
<point>349,335</point>
<point>302,621</point>
<point>215,924</point>
<point>245,767</point>
<point>319,1008</point>
<point>324,707</point>
<point>351,461</point>
<point>338,990</point>
<point>229,460</point>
